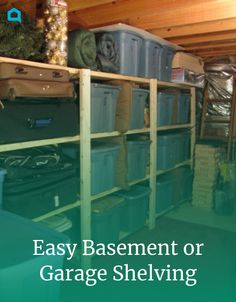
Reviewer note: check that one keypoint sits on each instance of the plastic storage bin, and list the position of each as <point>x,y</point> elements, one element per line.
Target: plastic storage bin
<point>167,55</point>
<point>183,108</point>
<point>103,107</point>
<point>183,184</point>
<point>103,167</point>
<point>106,217</point>
<point>151,59</point>
<point>129,49</point>
<point>19,269</point>
<point>168,151</point>
<point>184,145</point>
<point>165,108</point>
<point>134,213</point>
<point>2,176</point>
<point>137,157</point>
<point>139,97</point>
<point>165,192</point>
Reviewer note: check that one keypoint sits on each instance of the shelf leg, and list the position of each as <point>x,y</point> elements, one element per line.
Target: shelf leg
<point>193,124</point>
<point>85,160</point>
<point>153,153</point>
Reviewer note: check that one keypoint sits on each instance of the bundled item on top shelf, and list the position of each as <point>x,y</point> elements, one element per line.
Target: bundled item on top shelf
<point>21,40</point>
<point>107,53</point>
<point>206,171</point>
<point>82,49</point>
<point>38,181</point>
<point>56,29</point>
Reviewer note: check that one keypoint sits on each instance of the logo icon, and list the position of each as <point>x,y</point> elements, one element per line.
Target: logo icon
<point>14,15</point>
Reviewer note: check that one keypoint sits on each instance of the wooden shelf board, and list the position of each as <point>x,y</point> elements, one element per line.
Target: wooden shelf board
<point>58,211</point>
<point>114,76</point>
<point>170,127</point>
<point>38,143</point>
<point>187,162</point>
<point>118,133</point>
<point>116,189</point>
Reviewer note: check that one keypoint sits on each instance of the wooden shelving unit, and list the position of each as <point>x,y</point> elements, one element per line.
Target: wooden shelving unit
<point>85,76</point>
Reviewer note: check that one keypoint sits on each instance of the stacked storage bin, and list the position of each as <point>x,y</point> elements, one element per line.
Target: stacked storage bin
<point>106,219</point>
<point>172,149</point>
<point>183,108</point>
<point>139,98</point>
<point>165,108</point>
<point>151,59</point>
<point>103,167</point>
<point>137,158</point>
<point>129,47</point>
<point>167,55</point>
<point>135,210</point>
<point>103,107</point>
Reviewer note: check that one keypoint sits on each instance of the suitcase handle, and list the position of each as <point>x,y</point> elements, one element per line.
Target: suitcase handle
<point>20,70</point>
<point>57,74</point>
<point>39,123</point>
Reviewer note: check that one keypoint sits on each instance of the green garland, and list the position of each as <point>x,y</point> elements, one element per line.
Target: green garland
<point>21,40</point>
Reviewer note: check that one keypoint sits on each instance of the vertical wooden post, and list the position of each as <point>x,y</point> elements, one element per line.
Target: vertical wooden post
<point>85,159</point>
<point>193,123</point>
<point>153,152</point>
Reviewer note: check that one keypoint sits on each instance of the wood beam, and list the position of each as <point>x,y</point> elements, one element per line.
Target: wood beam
<point>217,52</point>
<point>130,10</point>
<point>210,46</point>
<point>189,14</point>
<point>224,36</point>
<point>84,4</point>
<point>193,29</point>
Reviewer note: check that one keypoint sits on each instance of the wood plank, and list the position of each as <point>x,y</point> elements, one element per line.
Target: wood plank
<point>85,159</point>
<point>216,37</point>
<point>211,46</point>
<point>125,10</point>
<point>38,143</point>
<point>223,52</point>
<point>190,14</point>
<point>198,28</point>
<point>84,4</point>
<point>153,153</point>
<point>193,124</point>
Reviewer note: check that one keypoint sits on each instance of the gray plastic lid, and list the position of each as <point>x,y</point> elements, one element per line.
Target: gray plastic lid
<point>104,204</point>
<point>134,193</point>
<point>98,85</point>
<point>140,142</point>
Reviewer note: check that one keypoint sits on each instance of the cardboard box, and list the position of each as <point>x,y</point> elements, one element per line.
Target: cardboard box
<point>188,61</point>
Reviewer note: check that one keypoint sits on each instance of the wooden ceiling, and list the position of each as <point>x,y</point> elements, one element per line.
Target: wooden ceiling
<point>204,27</point>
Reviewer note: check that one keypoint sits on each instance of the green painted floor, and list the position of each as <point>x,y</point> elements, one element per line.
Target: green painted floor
<point>187,213</point>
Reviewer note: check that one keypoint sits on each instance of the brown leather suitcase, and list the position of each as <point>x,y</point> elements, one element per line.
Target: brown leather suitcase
<point>12,88</point>
<point>18,71</point>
